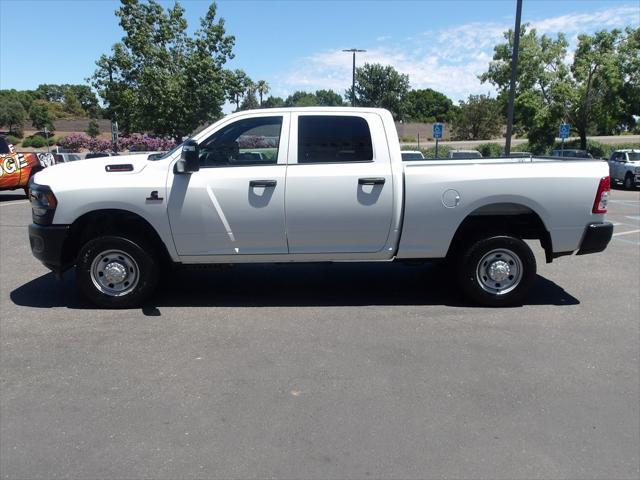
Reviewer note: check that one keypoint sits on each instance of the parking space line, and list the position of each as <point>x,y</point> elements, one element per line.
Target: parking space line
<point>14,202</point>
<point>626,233</point>
<point>615,224</point>
<point>624,240</point>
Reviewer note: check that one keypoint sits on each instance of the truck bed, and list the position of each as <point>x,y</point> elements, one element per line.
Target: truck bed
<point>559,192</point>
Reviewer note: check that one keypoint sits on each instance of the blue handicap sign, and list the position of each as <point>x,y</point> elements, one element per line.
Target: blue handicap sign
<point>438,128</point>
<point>565,130</point>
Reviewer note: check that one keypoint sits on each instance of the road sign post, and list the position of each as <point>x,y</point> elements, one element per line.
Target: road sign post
<point>438,129</point>
<point>565,130</point>
<point>114,135</point>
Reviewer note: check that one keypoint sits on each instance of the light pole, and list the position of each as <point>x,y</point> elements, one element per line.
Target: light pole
<point>512,83</point>
<point>353,84</point>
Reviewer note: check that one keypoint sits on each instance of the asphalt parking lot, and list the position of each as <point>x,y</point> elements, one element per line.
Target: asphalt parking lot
<point>323,371</point>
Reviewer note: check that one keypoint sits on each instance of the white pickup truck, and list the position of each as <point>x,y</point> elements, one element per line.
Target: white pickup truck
<point>311,185</point>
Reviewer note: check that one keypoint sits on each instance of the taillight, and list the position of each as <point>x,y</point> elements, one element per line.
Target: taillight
<point>602,196</point>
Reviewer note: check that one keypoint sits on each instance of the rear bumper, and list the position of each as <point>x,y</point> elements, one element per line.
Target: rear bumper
<point>596,238</point>
<point>47,245</point>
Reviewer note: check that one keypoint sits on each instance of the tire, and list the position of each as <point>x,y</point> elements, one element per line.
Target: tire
<point>497,271</point>
<point>628,182</point>
<point>116,272</point>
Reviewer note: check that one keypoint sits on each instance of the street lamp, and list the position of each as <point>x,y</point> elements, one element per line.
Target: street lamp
<point>353,84</point>
<point>512,83</point>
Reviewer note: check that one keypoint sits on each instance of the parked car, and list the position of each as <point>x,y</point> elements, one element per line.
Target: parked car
<point>64,157</point>
<point>408,155</point>
<point>16,169</point>
<point>571,153</point>
<point>624,167</point>
<point>336,189</point>
<point>519,154</point>
<point>464,154</point>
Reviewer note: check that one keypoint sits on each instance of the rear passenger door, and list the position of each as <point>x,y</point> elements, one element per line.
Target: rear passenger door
<point>339,189</point>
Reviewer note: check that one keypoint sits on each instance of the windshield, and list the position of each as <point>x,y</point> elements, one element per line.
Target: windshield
<point>634,156</point>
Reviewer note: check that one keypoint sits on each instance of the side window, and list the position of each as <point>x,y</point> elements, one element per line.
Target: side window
<point>330,139</point>
<point>4,146</point>
<point>252,141</point>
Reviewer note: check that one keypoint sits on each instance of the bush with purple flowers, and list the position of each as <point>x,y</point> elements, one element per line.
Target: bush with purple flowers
<point>134,142</point>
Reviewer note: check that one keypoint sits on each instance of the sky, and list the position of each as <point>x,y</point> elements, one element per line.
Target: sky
<point>297,44</point>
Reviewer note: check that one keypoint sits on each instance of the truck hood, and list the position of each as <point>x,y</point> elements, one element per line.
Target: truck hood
<point>80,170</point>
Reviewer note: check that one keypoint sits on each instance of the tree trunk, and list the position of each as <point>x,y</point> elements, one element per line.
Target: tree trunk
<point>582,131</point>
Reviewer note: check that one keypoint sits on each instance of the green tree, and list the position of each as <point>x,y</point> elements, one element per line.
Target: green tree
<point>237,84</point>
<point>93,129</point>
<point>262,87</point>
<point>301,99</point>
<point>542,82</point>
<point>629,67</point>
<point>13,115</point>
<point>329,98</point>
<point>601,83</point>
<point>594,92</point>
<point>478,118</point>
<point>250,101</point>
<point>160,79</point>
<point>87,98</point>
<point>427,105</point>
<point>72,106</point>
<point>40,117</point>
<point>381,86</point>
<point>273,102</point>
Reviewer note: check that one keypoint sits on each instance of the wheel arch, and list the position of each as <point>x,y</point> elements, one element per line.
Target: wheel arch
<point>112,221</point>
<point>509,218</point>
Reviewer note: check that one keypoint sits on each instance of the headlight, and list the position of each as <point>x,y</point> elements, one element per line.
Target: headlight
<point>43,204</point>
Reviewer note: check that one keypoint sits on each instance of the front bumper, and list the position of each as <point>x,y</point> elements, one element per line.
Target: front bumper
<point>47,245</point>
<point>596,238</point>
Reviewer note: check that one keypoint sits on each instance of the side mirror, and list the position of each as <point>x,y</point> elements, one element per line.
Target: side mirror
<point>189,159</point>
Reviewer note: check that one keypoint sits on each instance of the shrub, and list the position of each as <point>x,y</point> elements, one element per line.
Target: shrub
<point>74,142</point>
<point>408,139</point>
<point>13,140</point>
<point>143,142</point>
<point>93,130</point>
<point>491,150</point>
<point>26,142</point>
<point>37,141</point>
<point>430,153</point>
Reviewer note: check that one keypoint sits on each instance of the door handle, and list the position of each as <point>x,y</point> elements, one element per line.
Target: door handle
<point>263,183</point>
<point>371,181</point>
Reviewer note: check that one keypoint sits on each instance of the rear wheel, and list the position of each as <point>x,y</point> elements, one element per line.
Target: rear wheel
<point>116,272</point>
<point>496,271</point>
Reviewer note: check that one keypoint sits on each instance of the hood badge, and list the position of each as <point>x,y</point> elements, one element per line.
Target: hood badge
<point>153,197</point>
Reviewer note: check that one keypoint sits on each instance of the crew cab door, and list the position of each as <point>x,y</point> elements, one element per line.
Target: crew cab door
<point>339,196</point>
<point>234,204</point>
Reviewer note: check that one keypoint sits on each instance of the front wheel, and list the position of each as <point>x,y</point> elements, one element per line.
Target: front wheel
<point>628,182</point>
<point>116,272</point>
<point>497,271</point>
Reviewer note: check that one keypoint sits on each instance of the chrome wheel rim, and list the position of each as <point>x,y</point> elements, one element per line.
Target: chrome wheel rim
<point>114,273</point>
<point>499,271</point>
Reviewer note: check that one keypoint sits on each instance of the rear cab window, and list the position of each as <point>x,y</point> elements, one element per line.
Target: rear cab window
<point>334,139</point>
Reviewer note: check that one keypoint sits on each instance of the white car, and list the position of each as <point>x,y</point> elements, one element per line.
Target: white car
<point>624,167</point>
<point>464,154</point>
<point>408,155</point>
<point>330,186</point>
